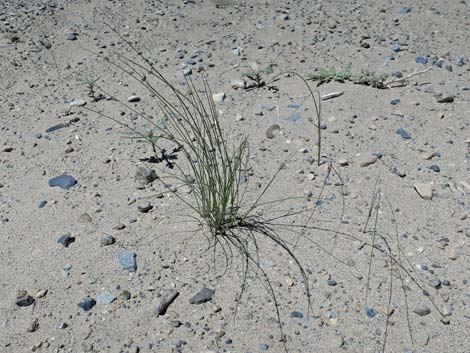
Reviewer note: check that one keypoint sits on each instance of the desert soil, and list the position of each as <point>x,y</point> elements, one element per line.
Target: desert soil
<point>83,264</point>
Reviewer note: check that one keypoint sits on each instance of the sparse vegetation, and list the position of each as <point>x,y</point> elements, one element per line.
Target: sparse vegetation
<point>257,76</point>
<point>89,81</point>
<point>365,77</point>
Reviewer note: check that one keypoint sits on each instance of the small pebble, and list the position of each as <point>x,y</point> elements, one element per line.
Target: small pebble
<point>127,259</point>
<point>238,83</point>
<point>77,103</point>
<point>421,60</point>
<point>66,239</point>
<point>447,310</point>
<point>371,312</point>
<point>405,135</point>
<point>294,117</point>
<point>203,296</point>
<point>105,298</point>
<point>144,207</point>
<point>107,239</point>
<point>422,310</point>
<point>133,99</point>
<point>72,36</point>
<point>218,97</point>
<point>445,98</point>
<point>84,218</point>
<point>57,127</point>
<point>296,314</point>
<point>41,293</point>
<point>164,301</point>
<point>87,304</point>
<point>369,160</point>
<point>124,295</point>
<point>119,226</point>
<point>26,300</point>
<point>424,190</point>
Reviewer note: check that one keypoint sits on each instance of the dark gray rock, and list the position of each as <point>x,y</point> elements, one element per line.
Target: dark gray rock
<point>87,304</point>
<point>203,296</point>
<point>445,97</point>
<point>421,60</point>
<point>296,314</point>
<point>57,127</point>
<point>26,300</point>
<point>63,181</point>
<point>66,239</point>
<point>405,135</point>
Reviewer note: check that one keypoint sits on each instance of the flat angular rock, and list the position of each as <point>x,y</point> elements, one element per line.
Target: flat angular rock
<point>63,181</point>
<point>294,117</point>
<point>203,296</point>
<point>127,259</point>
<point>105,297</point>
<point>163,302</point>
<point>218,97</point>
<point>424,190</point>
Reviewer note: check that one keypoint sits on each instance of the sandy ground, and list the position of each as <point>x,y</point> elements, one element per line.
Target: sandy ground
<point>45,286</point>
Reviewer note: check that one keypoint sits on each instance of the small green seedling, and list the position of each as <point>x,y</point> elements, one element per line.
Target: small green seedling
<point>88,80</point>
<point>151,136</point>
<point>257,75</point>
